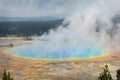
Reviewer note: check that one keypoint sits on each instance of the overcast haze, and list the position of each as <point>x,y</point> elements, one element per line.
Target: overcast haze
<point>62,8</point>
<point>33,8</point>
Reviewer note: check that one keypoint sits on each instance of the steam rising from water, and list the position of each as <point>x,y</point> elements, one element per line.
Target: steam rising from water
<point>85,34</point>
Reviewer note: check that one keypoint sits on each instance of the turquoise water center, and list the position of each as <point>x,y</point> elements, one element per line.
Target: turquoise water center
<point>50,51</point>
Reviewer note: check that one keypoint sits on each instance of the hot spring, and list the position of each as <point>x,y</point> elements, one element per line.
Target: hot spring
<point>86,34</point>
<point>78,40</point>
<point>43,51</point>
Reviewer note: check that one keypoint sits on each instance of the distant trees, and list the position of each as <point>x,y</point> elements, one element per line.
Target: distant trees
<point>7,76</point>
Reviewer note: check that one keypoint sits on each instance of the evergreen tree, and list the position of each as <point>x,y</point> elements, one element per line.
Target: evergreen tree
<point>7,76</point>
<point>105,75</point>
<point>118,74</point>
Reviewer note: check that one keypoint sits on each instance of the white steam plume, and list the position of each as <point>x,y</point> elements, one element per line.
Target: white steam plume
<point>88,32</point>
<point>91,26</point>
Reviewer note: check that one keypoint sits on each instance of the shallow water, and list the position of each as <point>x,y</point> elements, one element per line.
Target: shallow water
<point>53,52</point>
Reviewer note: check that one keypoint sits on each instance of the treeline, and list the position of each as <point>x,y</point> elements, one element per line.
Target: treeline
<point>27,28</point>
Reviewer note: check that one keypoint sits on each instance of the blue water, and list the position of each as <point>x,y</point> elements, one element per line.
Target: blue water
<point>50,52</point>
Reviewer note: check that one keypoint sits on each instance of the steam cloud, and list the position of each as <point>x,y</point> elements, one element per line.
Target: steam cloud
<point>91,31</point>
<point>92,26</point>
